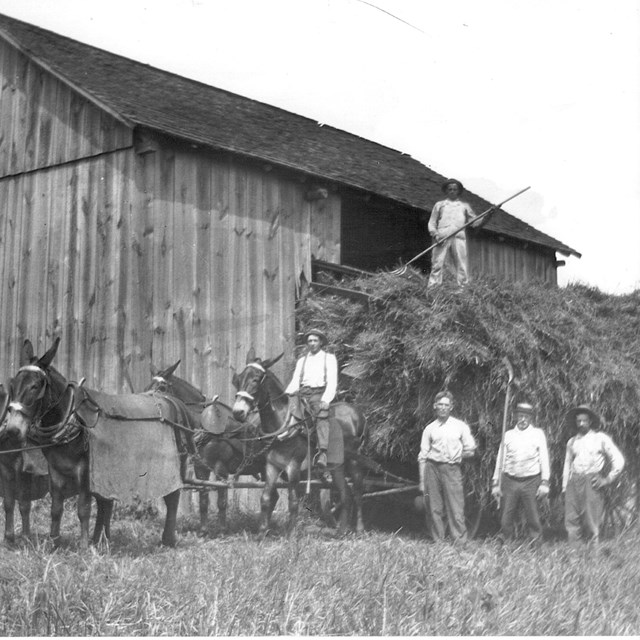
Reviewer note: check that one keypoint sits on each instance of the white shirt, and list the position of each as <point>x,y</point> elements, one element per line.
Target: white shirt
<point>449,215</point>
<point>525,454</point>
<point>448,441</point>
<point>316,370</point>
<point>589,453</point>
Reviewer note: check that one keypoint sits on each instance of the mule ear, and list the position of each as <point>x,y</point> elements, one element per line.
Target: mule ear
<point>170,370</point>
<point>153,369</point>
<point>26,355</point>
<point>235,381</point>
<point>269,363</point>
<point>251,355</point>
<point>46,359</point>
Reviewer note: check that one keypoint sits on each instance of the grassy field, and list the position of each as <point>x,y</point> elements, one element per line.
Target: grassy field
<point>312,584</point>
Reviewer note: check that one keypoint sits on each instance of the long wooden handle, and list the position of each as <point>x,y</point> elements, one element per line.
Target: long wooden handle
<point>464,226</point>
<point>507,397</point>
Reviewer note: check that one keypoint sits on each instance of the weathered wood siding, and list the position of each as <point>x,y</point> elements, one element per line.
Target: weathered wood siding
<point>511,260</point>
<point>44,123</point>
<point>64,247</point>
<point>223,248</point>
<point>134,259</point>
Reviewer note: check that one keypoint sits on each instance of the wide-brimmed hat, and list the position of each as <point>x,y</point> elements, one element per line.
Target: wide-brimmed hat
<point>524,407</point>
<point>446,183</point>
<point>316,332</point>
<point>583,408</point>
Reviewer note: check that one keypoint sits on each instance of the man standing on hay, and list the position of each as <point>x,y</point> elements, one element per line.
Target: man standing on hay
<point>314,385</point>
<point>446,217</point>
<point>521,474</point>
<point>445,442</point>
<point>592,462</point>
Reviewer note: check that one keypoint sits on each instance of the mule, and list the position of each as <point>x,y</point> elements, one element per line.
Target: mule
<point>259,387</point>
<point>19,480</point>
<point>47,409</point>
<point>224,446</point>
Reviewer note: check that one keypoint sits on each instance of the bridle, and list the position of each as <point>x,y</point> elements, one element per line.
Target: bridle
<point>65,430</point>
<point>28,410</point>
<point>245,395</point>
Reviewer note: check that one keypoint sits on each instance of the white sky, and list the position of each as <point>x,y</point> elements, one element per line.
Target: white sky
<point>501,94</point>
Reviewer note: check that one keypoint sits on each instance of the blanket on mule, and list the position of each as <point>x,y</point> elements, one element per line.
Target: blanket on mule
<point>133,453</point>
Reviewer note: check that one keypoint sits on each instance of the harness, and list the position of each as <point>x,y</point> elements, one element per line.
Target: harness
<point>74,425</point>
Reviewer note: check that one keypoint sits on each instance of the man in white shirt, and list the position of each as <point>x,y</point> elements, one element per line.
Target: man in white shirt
<point>315,382</point>
<point>521,474</point>
<point>445,442</point>
<point>592,462</point>
<point>447,216</point>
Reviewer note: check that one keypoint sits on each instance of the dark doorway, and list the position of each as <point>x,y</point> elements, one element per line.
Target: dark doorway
<point>378,234</point>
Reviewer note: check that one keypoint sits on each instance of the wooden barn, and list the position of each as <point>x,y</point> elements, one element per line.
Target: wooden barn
<point>145,217</point>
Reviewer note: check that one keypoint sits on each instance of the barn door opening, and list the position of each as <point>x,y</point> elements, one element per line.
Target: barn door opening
<point>378,234</point>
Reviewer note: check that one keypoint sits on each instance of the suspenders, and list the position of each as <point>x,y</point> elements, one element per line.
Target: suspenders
<point>304,362</point>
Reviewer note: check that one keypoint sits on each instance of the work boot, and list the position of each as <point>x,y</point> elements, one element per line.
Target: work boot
<point>321,459</point>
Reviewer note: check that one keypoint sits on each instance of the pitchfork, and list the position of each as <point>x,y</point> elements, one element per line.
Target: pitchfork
<point>402,270</point>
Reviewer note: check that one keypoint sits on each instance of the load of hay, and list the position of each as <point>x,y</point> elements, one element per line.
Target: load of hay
<point>567,346</point>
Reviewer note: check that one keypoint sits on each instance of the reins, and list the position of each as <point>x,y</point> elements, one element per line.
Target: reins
<point>287,425</point>
<point>32,448</point>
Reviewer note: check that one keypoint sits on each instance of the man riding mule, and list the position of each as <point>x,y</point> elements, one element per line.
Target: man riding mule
<point>258,387</point>
<point>313,387</point>
<point>101,445</point>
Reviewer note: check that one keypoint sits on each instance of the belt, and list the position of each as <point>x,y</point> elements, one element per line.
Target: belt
<point>440,462</point>
<point>522,478</point>
<point>312,388</point>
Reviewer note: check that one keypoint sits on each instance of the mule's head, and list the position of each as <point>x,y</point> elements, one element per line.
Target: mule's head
<point>249,387</point>
<point>164,381</point>
<point>34,392</point>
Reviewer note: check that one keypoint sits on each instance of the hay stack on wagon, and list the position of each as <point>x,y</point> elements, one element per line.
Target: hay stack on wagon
<point>567,346</point>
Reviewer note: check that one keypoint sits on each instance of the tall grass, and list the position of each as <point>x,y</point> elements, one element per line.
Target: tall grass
<point>313,584</point>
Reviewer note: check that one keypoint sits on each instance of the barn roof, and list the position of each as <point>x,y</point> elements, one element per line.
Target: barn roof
<point>142,95</point>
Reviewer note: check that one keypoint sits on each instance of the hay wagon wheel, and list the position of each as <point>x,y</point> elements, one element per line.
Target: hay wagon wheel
<point>621,506</point>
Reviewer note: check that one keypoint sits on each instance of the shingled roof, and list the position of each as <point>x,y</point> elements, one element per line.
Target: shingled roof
<point>144,96</point>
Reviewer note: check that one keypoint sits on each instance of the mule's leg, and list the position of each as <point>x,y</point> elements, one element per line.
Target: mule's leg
<point>340,483</point>
<point>203,473</point>
<point>267,501</point>
<point>84,516</point>
<point>108,512</point>
<point>104,509</point>
<point>222,508</point>
<point>85,498</point>
<point>172,500</point>
<point>221,470</point>
<point>293,475</point>
<point>24,494</point>
<point>57,506</point>
<point>9,483</point>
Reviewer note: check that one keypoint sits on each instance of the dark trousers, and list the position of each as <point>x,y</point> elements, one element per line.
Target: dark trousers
<point>443,485</point>
<point>311,398</point>
<point>583,507</point>
<point>520,494</point>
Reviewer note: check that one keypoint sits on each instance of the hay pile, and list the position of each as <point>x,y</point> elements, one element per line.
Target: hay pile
<point>567,346</point>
